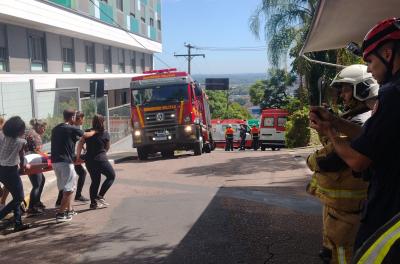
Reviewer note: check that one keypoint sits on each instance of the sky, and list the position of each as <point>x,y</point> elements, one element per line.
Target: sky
<point>211,23</point>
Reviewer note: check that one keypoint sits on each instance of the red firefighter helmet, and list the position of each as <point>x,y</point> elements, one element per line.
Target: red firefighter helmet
<point>381,33</point>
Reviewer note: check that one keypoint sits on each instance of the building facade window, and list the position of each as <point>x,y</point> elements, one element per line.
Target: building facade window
<point>120,5</point>
<point>107,59</point>
<point>143,12</point>
<point>89,57</point>
<point>67,49</point>
<point>133,7</point>
<point>68,59</point>
<point>133,61</point>
<point>3,59</point>
<point>151,22</point>
<point>37,52</point>
<point>159,24</point>
<point>3,49</point>
<point>143,62</point>
<point>121,61</point>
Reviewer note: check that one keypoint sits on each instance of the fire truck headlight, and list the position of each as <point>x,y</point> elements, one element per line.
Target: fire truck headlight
<point>135,124</point>
<point>188,129</point>
<point>137,133</point>
<point>172,115</point>
<point>169,137</point>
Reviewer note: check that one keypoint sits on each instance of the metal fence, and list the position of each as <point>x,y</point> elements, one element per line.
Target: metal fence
<point>119,122</point>
<point>49,105</point>
<point>19,98</point>
<point>16,100</point>
<point>91,106</point>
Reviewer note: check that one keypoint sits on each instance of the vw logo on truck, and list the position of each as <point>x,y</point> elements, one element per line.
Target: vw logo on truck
<point>160,116</point>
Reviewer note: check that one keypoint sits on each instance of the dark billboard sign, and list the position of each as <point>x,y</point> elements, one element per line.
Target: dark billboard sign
<point>217,84</point>
<point>96,88</point>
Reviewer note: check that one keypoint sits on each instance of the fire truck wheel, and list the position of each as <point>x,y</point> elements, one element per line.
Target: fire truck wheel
<point>262,148</point>
<point>273,149</point>
<point>213,146</point>
<point>207,148</point>
<point>197,149</point>
<point>142,154</point>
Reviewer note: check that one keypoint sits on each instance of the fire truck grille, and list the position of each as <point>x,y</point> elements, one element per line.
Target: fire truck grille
<point>160,121</point>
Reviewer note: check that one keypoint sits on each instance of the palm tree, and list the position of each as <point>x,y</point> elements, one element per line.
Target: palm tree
<point>286,22</point>
<point>285,25</point>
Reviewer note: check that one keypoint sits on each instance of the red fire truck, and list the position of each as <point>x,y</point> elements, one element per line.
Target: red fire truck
<point>169,112</point>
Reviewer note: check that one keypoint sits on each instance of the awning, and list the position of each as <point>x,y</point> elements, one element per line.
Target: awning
<point>338,22</point>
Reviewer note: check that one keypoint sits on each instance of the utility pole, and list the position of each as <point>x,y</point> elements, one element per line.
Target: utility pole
<point>189,56</point>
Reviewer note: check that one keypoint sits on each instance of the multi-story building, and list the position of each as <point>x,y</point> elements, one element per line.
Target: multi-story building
<point>69,43</point>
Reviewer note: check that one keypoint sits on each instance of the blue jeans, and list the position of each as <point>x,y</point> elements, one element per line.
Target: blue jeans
<point>37,181</point>
<point>9,176</point>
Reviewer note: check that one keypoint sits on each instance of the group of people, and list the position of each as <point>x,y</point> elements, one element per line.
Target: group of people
<point>229,135</point>
<point>65,158</point>
<point>356,174</point>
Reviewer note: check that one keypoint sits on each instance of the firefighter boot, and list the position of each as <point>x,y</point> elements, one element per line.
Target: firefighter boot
<point>326,255</point>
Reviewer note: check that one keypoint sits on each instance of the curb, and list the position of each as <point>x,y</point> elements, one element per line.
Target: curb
<point>122,156</point>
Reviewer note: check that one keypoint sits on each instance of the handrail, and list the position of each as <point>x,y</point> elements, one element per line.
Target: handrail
<point>323,63</point>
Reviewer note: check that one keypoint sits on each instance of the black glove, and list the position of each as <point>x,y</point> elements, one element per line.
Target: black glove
<point>331,163</point>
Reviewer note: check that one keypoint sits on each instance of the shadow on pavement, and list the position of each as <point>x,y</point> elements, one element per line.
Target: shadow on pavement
<point>156,158</point>
<point>49,242</point>
<point>242,166</point>
<point>243,230</point>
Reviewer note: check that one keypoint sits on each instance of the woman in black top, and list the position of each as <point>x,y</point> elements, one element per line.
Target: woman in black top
<point>97,162</point>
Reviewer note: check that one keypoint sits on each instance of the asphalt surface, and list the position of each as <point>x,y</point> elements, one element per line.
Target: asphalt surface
<point>223,207</point>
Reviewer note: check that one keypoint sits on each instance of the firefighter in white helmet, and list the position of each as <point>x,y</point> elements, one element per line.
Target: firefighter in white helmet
<point>341,192</point>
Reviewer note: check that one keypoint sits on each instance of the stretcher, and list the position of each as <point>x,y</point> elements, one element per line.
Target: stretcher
<point>38,163</point>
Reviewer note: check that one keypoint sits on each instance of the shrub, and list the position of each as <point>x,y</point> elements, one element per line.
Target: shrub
<point>297,129</point>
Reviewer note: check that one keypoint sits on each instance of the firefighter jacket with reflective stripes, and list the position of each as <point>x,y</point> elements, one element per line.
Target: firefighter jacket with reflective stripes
<point>383,245</point>
<point>333,181</point>
<point>229,133</point>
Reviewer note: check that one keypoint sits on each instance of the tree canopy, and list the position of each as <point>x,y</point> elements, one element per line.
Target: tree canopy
<point>221,108</point>
<point>272,92</point>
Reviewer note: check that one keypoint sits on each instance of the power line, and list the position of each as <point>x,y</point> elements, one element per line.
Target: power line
<point>253,48</point>
<point>129,34</point>
<point>189,56</point>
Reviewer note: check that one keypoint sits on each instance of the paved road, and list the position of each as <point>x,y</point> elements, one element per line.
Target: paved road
<point>236,207</point>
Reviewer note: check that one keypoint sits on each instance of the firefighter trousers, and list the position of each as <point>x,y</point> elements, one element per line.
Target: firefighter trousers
<point>339,232</point>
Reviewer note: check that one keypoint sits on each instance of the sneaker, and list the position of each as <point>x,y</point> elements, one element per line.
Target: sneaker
<point>21,227</point>
<point>94,206</point>
<point>63,217</point>
<point>41,206</point>
<point>72,213</point>
<point>35,211</point>
<point>102,201</point>
<point>81,199</point>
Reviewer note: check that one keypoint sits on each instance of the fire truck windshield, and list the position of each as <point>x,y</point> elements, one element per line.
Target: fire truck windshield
<point>159,94</point>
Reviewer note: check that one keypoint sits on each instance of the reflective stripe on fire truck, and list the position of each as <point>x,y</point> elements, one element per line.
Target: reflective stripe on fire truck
<point>140,116</point>
<point>181,114</point>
